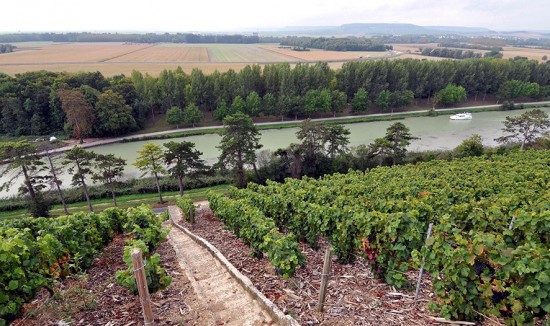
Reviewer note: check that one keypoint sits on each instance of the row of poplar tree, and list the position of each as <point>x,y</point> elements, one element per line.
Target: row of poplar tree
<point>89,104</point>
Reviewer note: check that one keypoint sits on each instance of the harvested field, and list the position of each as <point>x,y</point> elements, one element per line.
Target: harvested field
<point>166,53</point>
<point>321,55</point>
<point>247,53</point>
<point>509,51</point>
<point>126,68</point>
<point>69,53</point>
<point>530,53</point>
<point>419,57</point>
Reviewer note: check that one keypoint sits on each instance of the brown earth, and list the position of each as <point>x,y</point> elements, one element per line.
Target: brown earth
<point>96,299</point>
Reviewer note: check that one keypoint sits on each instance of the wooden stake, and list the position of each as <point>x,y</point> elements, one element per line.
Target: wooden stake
<point>512,221</point>
<point>324,279</point>
<point>422,267</point>
<point>143,290</point>
<point>191,215</point>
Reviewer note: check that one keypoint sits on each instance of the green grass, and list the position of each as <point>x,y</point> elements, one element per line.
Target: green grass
<point>124,202</point>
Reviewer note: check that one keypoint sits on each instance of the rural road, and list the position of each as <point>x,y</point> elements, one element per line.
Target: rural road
<point>105,141</point>
<point>220,295</point>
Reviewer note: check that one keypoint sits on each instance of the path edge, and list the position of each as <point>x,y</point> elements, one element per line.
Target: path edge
<point>245,282</point>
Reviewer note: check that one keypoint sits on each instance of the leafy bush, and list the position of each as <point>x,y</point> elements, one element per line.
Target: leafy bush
<point>36,251</point>
<point>188,209</point>
<point>145,226</point>
<point>259,231</point>
<point>157,278</point>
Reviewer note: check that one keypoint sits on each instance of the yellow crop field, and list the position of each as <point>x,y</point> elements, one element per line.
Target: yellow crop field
<point>166,53</point>
<point>121,58</point>
<point>530,53</point>
<point>508,53</point>
<point>321,55</point>
<point>68,52</point>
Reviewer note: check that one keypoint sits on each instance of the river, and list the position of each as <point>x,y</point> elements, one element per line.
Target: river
<point>435,133</point>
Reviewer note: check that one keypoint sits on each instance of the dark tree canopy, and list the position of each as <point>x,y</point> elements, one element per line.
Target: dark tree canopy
<point>240,141</point>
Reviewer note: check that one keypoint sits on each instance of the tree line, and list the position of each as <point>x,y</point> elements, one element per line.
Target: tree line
<point>473,46</point>
<point>133,38</point>
<point>88,104</point>
<point>7,48</point>
<point>449,53</point>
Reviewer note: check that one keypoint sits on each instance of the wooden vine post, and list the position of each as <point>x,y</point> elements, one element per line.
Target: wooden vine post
<point>422,267</point>
<point>143,290</point>
<point>324,279</point>
<point>191,215</point>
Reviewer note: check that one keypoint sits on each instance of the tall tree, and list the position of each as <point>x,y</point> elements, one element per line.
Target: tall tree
<point>150,160</point>
<point>182,158</point>
<point>381,148</point>
<point>338,102</point>
<point>80,114</point>
<point>400,137</point>
<point>312,137</point>
<point>114,115</point>
<point>54,173</point>
<point>80,162</point>
<point>360,102</point>
<point>451,94</point>
<point>525,128</point>
<point>384,100</point>
<point>23,161</point>
<point>108,168</point>
<point>336,139</point>
<point>253,104</point>
<point>174,116</point>
<point>240,141</point>
<point>192,115</point>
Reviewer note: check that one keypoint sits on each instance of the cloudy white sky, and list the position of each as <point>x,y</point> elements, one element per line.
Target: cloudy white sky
<point>227,15</point>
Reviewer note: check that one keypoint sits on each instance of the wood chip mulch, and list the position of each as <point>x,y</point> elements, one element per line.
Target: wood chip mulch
<point>95,299</point>
<point>354,297</point>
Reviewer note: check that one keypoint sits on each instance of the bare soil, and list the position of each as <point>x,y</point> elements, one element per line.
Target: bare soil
<point>96,299</point>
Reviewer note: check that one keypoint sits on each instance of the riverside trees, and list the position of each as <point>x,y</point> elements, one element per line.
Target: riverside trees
<point>32,103</point>
<point>240,141</point>
<point>525,128</point>
<point>25,163</point>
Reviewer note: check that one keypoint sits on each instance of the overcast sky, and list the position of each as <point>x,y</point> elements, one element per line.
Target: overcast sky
<point>230,15</point>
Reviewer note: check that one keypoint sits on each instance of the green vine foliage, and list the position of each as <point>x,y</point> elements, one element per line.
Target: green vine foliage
<point>258,231</point>
<point>157,278</point>
<point>37,251</point>
<point>144,225</point>
<point>477,263</point>
<point>188,209</point>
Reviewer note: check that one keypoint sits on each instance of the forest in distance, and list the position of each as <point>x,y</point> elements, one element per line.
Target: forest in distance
<point>45,103</point>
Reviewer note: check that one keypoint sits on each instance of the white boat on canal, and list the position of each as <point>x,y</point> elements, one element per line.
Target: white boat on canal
<point>462,116</point>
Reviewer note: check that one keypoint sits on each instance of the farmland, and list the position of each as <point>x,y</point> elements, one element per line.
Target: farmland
<point>508,53</point>
<point>116,58</point>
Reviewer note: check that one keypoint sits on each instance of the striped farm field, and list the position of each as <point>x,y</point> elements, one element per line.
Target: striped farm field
<point>321,55</point>
<point>68,52</point>
<point>250,53</point>
<point>122,58</point>
<point>166,53</point>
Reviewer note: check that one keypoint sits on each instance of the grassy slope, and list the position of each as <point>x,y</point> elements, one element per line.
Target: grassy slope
<point>124,202</point>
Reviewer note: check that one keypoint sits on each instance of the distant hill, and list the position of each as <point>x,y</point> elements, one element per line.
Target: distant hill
<point>361,29</point>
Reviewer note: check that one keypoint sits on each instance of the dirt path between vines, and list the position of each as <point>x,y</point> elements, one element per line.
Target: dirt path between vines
<point>221,296</point>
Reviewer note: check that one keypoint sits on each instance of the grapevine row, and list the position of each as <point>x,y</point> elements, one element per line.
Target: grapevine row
<point>477,263</point>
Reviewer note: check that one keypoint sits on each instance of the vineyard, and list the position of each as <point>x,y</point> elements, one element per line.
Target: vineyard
<point>37,252</point>
<point>489,252</point>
